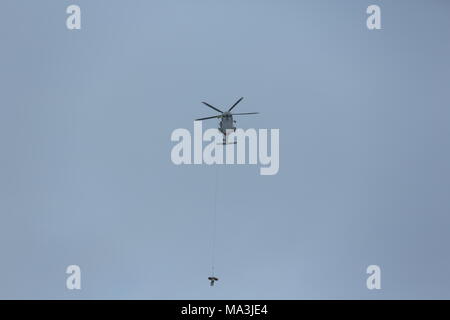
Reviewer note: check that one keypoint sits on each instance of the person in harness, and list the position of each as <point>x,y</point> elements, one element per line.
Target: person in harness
<point>212,279</point>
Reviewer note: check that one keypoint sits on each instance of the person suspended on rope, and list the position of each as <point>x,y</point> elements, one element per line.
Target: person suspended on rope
<point>212,279</point>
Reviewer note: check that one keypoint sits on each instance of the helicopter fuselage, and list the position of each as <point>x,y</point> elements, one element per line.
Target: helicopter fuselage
<point>226,123</point>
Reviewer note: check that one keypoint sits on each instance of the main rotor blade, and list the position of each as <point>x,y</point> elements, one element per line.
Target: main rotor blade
<point>207,118</point>
<point>207,104</point>
<point>240,114</point>
<point>235,104</point>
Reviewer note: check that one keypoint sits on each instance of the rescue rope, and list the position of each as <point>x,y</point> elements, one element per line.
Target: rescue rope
<point>213,244</point>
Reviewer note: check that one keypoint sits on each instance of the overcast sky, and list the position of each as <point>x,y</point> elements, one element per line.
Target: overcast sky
<point>86,176</point>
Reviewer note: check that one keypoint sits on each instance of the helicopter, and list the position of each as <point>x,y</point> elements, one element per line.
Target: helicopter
<point>226,123</point>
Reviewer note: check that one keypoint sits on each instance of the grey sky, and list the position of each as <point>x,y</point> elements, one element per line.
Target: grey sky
<point>85,170</point>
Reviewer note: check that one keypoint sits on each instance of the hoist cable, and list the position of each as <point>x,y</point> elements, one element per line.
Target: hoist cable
<point>213,244</point>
